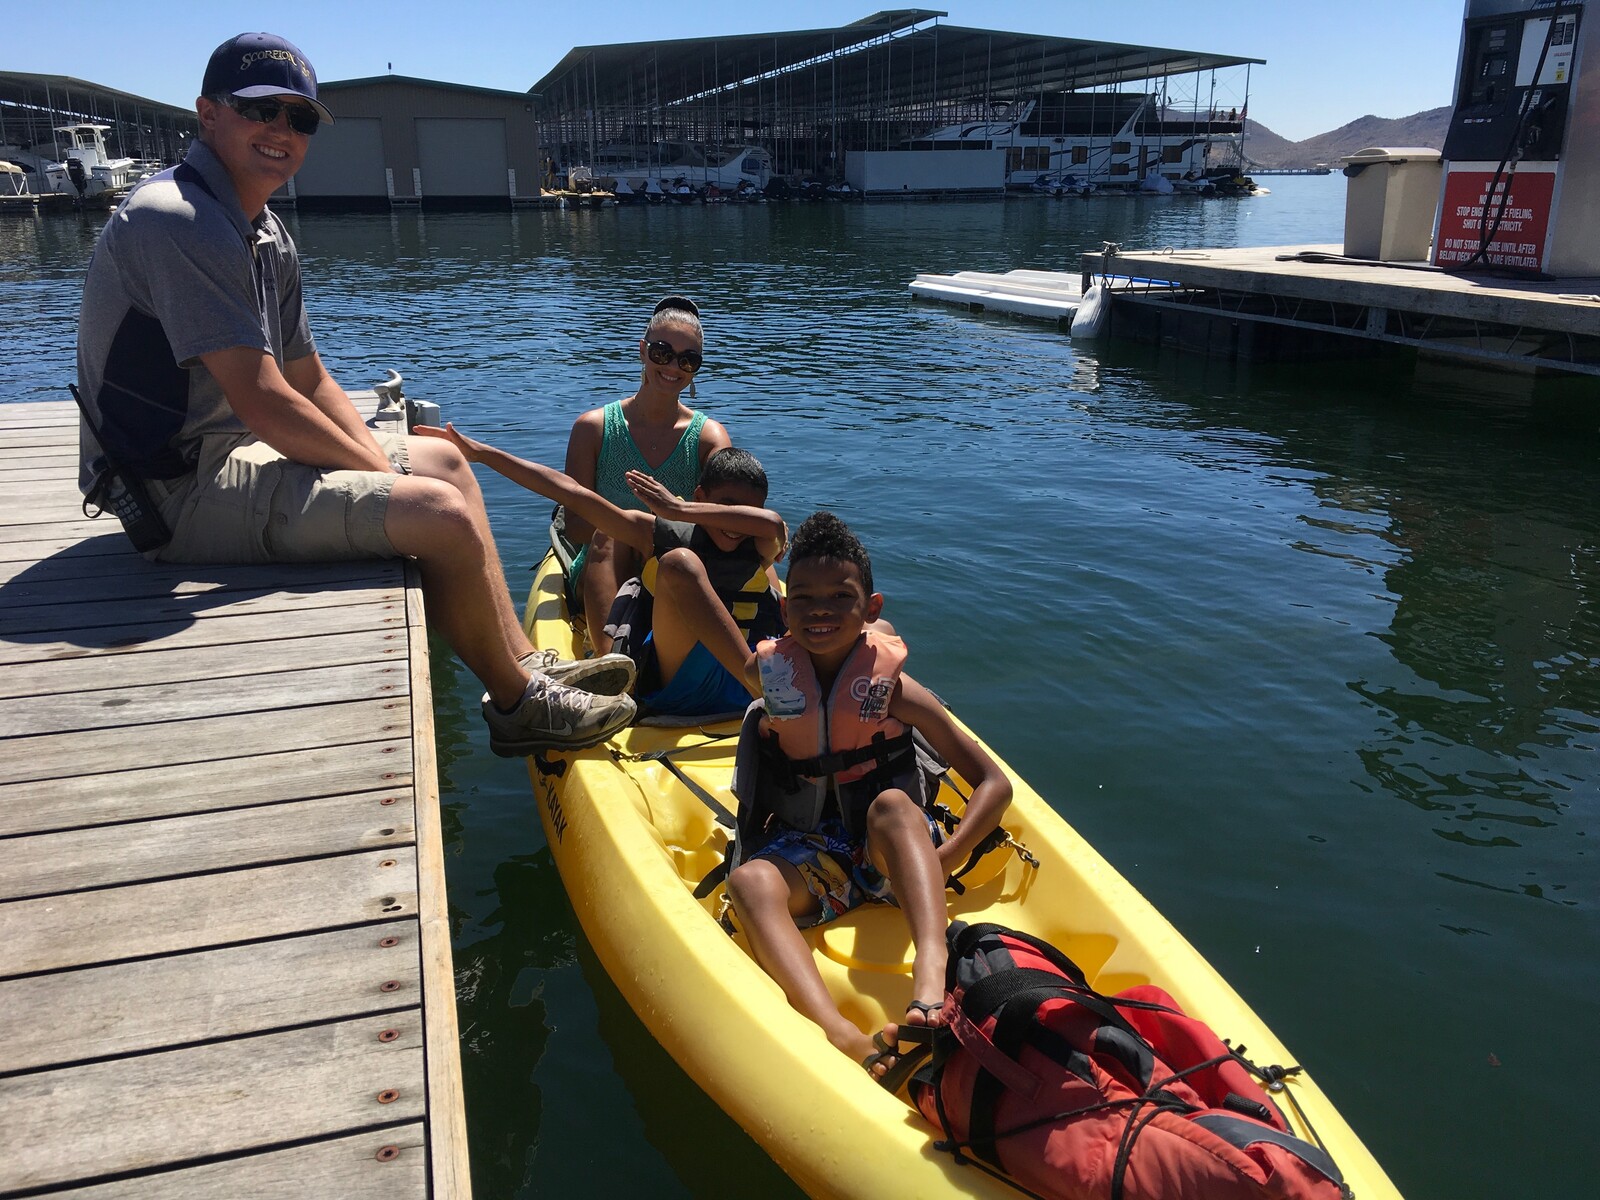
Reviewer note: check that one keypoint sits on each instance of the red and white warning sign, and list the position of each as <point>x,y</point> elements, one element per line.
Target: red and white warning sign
<point>1469,208</point>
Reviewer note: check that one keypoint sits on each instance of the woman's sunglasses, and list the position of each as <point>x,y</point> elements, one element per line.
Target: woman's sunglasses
<point>302,119</point>
<point>662,353</point>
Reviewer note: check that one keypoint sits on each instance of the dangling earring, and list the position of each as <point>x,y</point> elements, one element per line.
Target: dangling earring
<point>691,387</point>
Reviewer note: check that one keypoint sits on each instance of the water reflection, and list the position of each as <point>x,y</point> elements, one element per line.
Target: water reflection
<point>1475,524</point>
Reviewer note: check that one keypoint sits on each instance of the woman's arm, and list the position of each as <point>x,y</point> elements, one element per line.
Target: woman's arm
<point>583,462</point>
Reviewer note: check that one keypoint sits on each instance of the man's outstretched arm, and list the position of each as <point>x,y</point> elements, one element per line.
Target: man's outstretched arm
<point>296,423</point>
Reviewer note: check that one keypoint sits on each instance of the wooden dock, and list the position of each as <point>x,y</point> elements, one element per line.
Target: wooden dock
<point>1291,302</point>
<point>224,955</point>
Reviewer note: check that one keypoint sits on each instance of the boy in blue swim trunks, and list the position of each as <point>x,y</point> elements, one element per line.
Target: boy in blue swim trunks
<point>836,806</point>
<point>706,562</point>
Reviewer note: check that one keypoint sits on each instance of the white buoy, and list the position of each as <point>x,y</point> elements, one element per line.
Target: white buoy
<point>1090,319</point>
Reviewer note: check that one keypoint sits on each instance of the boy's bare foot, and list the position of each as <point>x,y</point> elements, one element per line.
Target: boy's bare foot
<point>884,1054</point>
<point>913,1036</point>
<point>925,1012</point>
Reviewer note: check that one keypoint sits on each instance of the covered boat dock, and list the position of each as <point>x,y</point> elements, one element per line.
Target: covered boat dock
<point>878,84</point>
<point>33,108</point>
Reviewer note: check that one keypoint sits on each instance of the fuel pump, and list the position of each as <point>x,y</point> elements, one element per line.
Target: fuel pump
<point>1522,155</point>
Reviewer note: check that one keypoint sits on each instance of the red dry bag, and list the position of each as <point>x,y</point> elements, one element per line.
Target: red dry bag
<point>1077,1096</point>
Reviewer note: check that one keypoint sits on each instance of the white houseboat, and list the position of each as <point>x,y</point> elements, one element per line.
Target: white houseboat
<point>1102,141</point>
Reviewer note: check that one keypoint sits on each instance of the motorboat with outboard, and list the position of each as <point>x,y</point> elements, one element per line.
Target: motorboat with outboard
<point>87,171</point>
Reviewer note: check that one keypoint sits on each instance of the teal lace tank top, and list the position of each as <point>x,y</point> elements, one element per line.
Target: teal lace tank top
<point>619,454</point>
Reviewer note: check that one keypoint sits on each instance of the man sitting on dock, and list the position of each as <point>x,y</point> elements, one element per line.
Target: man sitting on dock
<point>199,378</point>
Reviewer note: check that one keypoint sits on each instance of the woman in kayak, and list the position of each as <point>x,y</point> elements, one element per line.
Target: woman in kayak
<point>651,431</point>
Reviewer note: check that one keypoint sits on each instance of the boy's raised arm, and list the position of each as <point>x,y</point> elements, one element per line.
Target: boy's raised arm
<point>991,790</point>
<point>636,529</point>
<point>762,525</point>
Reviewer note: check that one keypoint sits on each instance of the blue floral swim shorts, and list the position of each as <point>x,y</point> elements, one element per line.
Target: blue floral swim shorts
<point>835,868</point>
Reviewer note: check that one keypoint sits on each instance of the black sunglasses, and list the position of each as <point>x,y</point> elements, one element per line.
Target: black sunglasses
<point>661,353</point>
<point>302,118</point>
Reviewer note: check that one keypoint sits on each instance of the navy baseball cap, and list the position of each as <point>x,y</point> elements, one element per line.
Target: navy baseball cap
<point>262,64</point>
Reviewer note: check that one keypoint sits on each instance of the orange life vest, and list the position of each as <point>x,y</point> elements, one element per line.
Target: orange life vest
<point>816,745</point>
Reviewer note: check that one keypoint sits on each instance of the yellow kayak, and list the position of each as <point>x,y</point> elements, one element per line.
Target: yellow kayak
<point>633,840</point>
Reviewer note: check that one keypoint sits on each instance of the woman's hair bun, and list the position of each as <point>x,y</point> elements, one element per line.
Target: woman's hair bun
<point>682,302</point>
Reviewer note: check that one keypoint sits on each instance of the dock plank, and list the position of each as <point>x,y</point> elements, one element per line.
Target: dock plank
<point>244,630</point>
<point>105,545</point>
<point>83,623</point>
<point>38,470</point>
<point>15,451</point>
<point>206,995</point>
<point>451,1175</point>
<point>168,917</point>
<point>156,704</point>
<point>245,1094</point>
<point>44,864</point>
<point>60,755</point>
<point>143,579</point>
<point>143,793</point>
<point>23,530</point>
<point>379,1165</point>
<point>49,484</point>
<point>165,664</point>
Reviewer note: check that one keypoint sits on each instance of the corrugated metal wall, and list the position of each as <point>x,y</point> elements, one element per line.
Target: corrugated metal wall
<point>459,141</point>
<point>346,159</point>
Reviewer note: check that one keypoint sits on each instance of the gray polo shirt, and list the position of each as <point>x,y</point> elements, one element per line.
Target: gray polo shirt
<point>178,272</point>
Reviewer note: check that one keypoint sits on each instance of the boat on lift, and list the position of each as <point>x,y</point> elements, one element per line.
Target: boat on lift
<point>87,171</point>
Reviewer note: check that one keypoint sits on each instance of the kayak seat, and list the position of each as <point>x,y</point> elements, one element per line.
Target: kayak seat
<point>871,938</point>
<point>877,938</point>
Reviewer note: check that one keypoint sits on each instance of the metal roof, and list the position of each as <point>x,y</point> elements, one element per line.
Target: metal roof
<point>335,85</point>
<point>919,53</point>
<point>33,106</point>
<point>67,94</point>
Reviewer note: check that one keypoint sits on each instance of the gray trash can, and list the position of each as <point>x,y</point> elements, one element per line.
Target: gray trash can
<point>1390,202</point>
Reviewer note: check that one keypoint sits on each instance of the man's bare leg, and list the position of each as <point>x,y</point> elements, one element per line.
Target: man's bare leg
<point>430,520</point>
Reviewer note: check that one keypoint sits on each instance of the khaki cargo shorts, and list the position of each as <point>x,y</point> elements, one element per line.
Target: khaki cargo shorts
<point>246,503</point>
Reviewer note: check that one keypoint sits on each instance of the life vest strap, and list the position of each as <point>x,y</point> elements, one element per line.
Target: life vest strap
<point>882,750</point>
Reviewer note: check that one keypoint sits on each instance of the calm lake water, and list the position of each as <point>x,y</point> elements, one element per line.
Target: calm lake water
<point>1311,654</point>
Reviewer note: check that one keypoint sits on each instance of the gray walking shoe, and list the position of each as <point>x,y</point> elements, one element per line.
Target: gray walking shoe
<point>553,717</point>
<point>607,675</point>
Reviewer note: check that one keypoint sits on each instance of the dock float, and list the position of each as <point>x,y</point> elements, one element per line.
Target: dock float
<point>1043,295</point>
<point>1293,302</point>
<point>225,962</point>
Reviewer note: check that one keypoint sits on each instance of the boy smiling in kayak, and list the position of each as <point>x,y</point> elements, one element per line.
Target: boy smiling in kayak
<point>848,824</point>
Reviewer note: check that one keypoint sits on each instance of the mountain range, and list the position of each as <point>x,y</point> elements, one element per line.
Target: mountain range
<point>1266,149</point>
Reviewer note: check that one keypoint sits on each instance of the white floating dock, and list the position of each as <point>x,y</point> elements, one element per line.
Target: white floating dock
<point>1044,295</point>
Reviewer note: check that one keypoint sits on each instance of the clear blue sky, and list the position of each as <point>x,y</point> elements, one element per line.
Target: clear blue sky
<point>1327,63</point>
